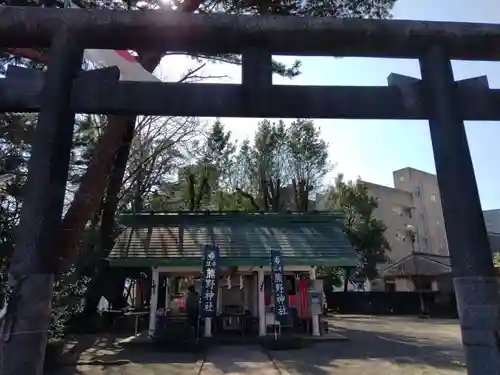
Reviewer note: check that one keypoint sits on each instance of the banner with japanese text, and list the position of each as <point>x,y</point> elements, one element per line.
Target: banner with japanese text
<point>278,288</point>
<point>209,277</point>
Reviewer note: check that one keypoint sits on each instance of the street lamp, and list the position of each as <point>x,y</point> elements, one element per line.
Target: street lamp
<point>412,232</point>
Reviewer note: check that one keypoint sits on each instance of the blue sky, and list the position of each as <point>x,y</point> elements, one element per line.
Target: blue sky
<point>373,149</point>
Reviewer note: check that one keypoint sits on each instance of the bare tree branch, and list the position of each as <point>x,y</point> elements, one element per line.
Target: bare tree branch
<point>250,197</point>
<point>191,72</point>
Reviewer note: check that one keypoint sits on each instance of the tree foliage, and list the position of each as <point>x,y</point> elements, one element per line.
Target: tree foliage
<point>277,171</point>
<point>90,157</point>
<point>365,232</point>
<point>283,166</point>
<point>15,145</point>
<point>90,130</point>
<point>68,300</point>
<point>99,141</point>
<point>15,130</point>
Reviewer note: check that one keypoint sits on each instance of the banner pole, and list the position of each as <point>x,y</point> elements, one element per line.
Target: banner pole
<point>199,300</point>
<point>275,332</point>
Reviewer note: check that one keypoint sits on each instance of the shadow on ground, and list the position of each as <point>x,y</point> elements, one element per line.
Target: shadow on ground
<point>103,355</point>
<point>248,360</point>
<point>374,347</point>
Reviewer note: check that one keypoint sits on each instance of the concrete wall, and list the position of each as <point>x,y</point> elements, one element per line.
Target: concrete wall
<point>395,209</point>
<point>428,213</point>
<point>404,285</point>
<point>412,206</point>
<point>492,220</point>
<point>353,287</point>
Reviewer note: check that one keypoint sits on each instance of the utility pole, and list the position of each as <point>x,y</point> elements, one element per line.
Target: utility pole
<point>411,230</point>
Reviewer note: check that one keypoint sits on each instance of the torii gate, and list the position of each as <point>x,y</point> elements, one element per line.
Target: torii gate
<point>64,90</point>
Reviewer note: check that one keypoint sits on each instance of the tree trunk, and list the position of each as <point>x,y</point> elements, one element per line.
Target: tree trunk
<point>347,274</point>
<point>191,191</point>
<point>31,311</point>
<point>263,187</point>
<point>97,176</point>
<point>250,197</point>
<point>24,329</point>
<point>107,235</point>
<point>202,192</point>
<point>277,195</point>
<point>138,203</point>
<point>296,196</point>
<point>101,275</point>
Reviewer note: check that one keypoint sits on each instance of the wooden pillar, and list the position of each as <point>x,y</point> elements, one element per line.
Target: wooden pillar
<point>315,317</point>
<point>476,287</point>
<point>34,263</point>
<point>155,276</point>
<point>246,294</point>
<point>255,295</point>
<point>208,327</point>
<point>167,293</point>
<point>261,302</point>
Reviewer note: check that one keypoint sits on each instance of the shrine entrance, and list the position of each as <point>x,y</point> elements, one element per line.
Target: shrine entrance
<point>242,292</point>
<point>237,309</point>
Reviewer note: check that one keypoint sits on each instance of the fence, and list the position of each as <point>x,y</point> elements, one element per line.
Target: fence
<point>398,303</point>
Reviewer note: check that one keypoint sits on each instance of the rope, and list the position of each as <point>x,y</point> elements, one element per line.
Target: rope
<point>3,312</point>
<point>8,314</point>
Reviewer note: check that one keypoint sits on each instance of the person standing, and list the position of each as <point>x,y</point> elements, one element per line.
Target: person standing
<point>192,302</point>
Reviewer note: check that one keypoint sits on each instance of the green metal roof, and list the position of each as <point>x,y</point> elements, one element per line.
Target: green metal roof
<point>245,239</point>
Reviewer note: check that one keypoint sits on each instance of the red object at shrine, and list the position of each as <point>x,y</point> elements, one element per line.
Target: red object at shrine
<point>303,308</point>
<point>267,299</point>
<point>141,293</point>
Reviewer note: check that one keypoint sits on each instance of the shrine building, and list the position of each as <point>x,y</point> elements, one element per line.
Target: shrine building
<point>169,247</point>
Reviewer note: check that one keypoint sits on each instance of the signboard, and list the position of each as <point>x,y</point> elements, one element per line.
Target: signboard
<point>316,302</point>
<point>208,297</point>
<point>278,289</point>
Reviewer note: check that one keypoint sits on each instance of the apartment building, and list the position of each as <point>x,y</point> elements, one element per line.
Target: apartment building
<point>412,212</point>
<point>396,210</point>
<point>492,221</point>
<point>416,233</point>
<point>428,214</point>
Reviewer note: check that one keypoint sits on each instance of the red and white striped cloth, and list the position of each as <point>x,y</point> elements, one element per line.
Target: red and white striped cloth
<point>130,69</point>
